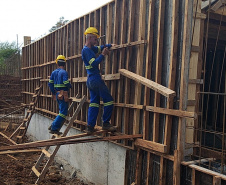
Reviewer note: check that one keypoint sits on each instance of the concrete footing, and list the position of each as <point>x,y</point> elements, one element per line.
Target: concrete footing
<point>102,163</point>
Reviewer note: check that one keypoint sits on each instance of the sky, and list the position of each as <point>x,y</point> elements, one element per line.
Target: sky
<point>35,18</point>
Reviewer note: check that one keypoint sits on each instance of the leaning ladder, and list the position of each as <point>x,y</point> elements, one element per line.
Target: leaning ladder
<point>22,129</point>
<point>45,150</point>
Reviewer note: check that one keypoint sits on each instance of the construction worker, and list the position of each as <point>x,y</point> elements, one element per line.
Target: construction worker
<point>59,86</point>
<point>95,84</point>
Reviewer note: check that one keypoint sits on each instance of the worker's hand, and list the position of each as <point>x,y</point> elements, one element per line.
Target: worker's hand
<point>54,97</point>
<point>105,51</point>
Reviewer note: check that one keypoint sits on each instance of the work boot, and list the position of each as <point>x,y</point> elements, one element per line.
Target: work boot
<point>55,132</point>
<point>49,128</point>
<point>108,127</point>
<point>90,130</point>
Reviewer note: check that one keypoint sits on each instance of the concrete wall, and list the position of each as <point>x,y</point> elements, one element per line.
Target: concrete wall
<point>102,163</point>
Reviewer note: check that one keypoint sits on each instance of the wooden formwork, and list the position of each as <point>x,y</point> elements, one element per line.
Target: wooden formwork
<point>154,44</point>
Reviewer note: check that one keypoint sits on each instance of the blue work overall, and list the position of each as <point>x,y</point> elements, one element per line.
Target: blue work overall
<point>96,85</point>
<point>59,81</point>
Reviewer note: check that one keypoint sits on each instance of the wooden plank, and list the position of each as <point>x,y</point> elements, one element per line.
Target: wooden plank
<point>149,168</point>
<point>46,152</point>
<point>130,36</point>
<point>8,138</point>
<point>139,65</point>
<point>158,67</point>
<point>183,91</point>
<point>172,75</point>
<point>195,81</point>
<point>35,171</point>
<point>138,166</point>
<point>115,76</point>
<point>58,141</point>
<point>148,66</point>
<point>216,180</point>
<point>172,112</point>
<point>149,83</point>
<point>197,161</point>
<point>20,151</point>
<point>151,145</point>
<point>121,64</point>
<point>121,46</point>
<point>176,165</point>
<point>207,171</point>
<point>193,177</point>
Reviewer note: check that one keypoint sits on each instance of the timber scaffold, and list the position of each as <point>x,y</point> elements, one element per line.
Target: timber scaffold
<point>147,73</point>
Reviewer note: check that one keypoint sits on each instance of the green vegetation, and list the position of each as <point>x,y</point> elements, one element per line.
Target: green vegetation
<point>9,56</point>
<point>59,24</point>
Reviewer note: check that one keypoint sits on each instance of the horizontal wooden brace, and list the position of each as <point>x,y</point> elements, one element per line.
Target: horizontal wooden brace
<point>195,81</point>
<point>199,15</point>
<point>80,55</point>
<point>46,111</point>
<point>166,111</point>
<point>38,78</point>
<point>129,44</point>
<point>132,106</point>
<point>66,141</point>
<point>151,145</point>
<point>191,102</point>
<point>186,163</point>
<point>207,171</point>
<point>149,83</point>
<point>104,77</point>
<point>195,49</point>
<point>20,151</point>
<point>172,112</point>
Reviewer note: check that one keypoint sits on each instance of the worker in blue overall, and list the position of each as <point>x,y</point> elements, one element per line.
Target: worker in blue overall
<point>59,86</point>
<point>95,84</point>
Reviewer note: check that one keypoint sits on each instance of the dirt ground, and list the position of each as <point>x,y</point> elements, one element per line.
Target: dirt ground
<point>15,169</point>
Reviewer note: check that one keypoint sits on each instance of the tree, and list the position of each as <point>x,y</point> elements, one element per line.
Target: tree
<point>9,57</point>
<point>59,24</point>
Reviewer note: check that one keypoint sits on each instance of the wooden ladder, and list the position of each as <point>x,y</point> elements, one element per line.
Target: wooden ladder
<point>45,151</point>
<point>22,129</point>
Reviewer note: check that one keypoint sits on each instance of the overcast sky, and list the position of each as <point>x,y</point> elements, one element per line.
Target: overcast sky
<point>35,17</point>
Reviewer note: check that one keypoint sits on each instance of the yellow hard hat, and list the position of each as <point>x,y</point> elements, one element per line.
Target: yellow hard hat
<point>92,30</point>
<point>60,57</point>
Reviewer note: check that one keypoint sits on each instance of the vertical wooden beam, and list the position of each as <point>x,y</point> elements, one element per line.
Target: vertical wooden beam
<point>183,88</point>
<point>176,165</point>
<point>159,49</point>
<point>172,75</point>
<point>127,81</point>
<point>148,67</point>
<point>193,74</point>
<point>121,63</point>
<point>162,174</point>
<point>114,61</point>
<point>138,166</point>
<point>139,65</point>
<point>108,38</point>
<point>149,168</point>
<point>216,180</point>
<point>193,176</point>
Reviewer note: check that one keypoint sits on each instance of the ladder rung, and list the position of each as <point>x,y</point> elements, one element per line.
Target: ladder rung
<point>32,103</point>
<point>25,119</point>
<point>37,88</point>
<point>35,171</point>
<point>46,153</point>
<point>28,111</point>
<point>34,96</point>
<point>19,137</point>
<point>22,128</point>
